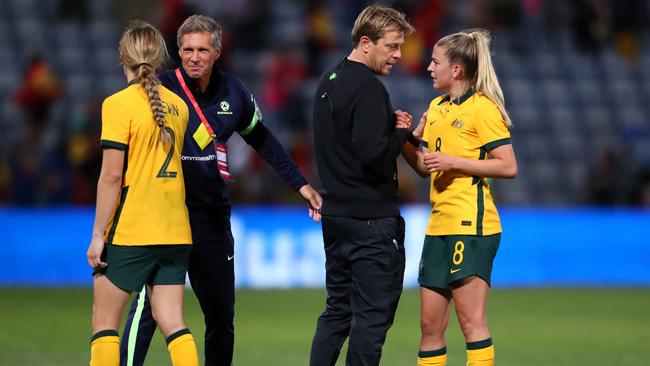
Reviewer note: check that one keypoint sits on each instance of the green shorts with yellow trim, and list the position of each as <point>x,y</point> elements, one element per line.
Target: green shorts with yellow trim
<point>131,267</point>
<point>447,259</point>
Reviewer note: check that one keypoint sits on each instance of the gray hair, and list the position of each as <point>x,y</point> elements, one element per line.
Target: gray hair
<point>197,24</point>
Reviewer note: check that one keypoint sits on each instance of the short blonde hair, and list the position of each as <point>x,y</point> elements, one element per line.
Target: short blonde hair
<point>375,20</point>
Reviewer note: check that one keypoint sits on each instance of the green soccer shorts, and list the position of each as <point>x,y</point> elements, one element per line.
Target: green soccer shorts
<point>450,258</point>
<point>131,267</point>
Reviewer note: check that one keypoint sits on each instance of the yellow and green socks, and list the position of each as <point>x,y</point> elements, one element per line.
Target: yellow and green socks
<point>480,353</point>
<point>105,348</point>
<point>182,348</point>
<point>433,358</point>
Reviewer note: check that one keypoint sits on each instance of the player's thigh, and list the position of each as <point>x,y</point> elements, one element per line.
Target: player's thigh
<point>168,287</point>
<point>108,304</point>
<point>434,312</point>
<point>470,297</point>
<point>470,300</point>
<point>167,307</point>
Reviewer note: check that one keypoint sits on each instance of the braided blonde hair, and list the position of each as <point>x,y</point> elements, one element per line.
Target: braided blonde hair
<point>471,49</point>
<point>143,50</point>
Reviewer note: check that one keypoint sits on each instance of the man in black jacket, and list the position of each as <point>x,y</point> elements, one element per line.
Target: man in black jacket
<point>357,145</point>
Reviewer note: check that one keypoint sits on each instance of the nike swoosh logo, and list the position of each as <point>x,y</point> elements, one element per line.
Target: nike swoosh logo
<point>454,270</point>
<point>230,257</point>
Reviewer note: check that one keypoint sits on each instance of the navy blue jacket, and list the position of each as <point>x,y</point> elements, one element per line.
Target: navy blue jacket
<point>229,107</point>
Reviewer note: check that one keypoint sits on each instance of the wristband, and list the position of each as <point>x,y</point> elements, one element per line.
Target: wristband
<point>413,140</point>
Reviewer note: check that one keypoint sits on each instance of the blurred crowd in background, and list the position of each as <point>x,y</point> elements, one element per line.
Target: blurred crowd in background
<point>575,74</point>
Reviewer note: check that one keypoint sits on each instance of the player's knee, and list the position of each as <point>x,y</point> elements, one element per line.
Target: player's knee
<point>472,326</point>
<point>101,323</point>
<point>170,327</point>
<point>169,321</point>
<point>432,327</point>
<point>103,319</point>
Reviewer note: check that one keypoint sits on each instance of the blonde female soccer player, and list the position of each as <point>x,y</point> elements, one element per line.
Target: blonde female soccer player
<point>465,140</point>
<point>141,233</point>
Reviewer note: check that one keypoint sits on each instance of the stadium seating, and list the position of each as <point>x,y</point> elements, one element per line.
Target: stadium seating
<point>566,105</point>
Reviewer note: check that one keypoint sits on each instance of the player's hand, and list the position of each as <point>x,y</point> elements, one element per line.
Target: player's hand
<point>314,200</point>
<point>418,132</point>
<point>403,120</point>
<point>438,162</point>
<point>94,253</point>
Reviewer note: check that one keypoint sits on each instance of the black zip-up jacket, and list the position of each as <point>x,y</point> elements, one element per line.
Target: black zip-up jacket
<point>356,143</point>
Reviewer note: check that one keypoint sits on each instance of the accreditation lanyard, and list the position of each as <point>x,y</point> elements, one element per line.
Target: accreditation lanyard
<point>220,149</point>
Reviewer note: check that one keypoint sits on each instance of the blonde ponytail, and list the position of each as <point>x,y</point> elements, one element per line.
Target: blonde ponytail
<point>143,50</point>
<point>151,85</point>
<point>486,79</point>
<point>471,49</point>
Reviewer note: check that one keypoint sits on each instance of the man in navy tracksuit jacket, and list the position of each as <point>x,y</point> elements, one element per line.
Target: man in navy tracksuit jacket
<point>228,107</point>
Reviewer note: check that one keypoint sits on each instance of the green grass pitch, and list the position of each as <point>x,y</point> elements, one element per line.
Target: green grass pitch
<point>542,327</point>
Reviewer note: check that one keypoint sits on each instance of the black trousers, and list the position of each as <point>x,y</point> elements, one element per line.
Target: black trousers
<point>212,276</point>
<point>364,275</point>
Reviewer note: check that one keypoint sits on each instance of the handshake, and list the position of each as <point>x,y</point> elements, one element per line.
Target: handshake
<point>405,120</point>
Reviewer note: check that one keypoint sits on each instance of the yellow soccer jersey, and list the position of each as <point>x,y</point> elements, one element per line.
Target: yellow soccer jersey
<point>151,209</point>
<point>468,127</point>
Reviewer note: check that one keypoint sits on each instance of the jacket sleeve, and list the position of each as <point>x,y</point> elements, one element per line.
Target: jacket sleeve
<point>374,136</point>
<point>270,149</point>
